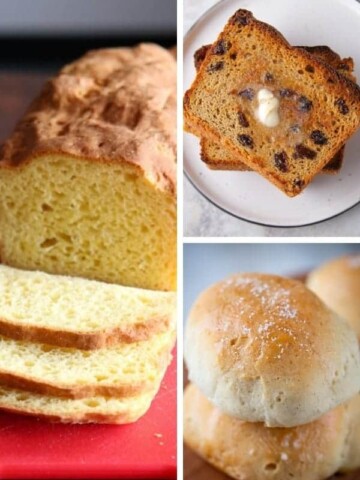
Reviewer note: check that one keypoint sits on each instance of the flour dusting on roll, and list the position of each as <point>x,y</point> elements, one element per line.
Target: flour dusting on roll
<point>264,348</point>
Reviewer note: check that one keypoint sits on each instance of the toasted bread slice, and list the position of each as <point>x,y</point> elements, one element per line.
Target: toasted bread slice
<point>319,108</point>
<point>217,158</point>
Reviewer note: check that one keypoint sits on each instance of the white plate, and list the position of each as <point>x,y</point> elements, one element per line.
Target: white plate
<point>335,23</point>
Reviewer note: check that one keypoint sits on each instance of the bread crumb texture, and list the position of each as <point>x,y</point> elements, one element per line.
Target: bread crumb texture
<point>97,409</point>
<point>118,371</point>
<point>76,312</point>
<point>88,178</point>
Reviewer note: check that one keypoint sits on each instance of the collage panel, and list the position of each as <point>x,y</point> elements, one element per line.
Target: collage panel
<point>150,329</point>
<point>272,361</point>
<point>271,118</point>
<point>88,239</point>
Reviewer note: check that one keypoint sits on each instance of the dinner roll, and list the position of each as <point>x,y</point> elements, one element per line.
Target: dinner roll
<point>250,451</point>
<point>337,283</point>
<point>264,348</point>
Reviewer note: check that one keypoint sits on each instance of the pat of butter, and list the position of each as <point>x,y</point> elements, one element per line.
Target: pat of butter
<point>268,108</point>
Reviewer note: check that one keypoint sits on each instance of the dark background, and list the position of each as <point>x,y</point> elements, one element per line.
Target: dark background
<point>37,37</point>
<point>45,34</point>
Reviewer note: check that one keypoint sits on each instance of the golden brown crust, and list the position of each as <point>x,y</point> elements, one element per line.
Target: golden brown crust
<point>86,341</point>
<point>120,419</point>
<point>112,105</point>
<point>337,283</point>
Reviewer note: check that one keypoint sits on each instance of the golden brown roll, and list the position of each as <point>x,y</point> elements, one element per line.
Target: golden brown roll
<point>266,349</point>
<point>337,283</point>
<point>251,451</point>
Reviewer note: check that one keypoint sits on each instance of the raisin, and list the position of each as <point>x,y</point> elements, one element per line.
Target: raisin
<point>281,161</point>
<point>248,93</point>
<point>200,55</point>
<point>304,104</point>
<point>318,137</point>
<point>268,77</point>
<point>233,56</point>
<point>214,67</point>
<point>343,108</point>
<point>221,47</point>
<point>240,17</point>
<point>298,183</point>
<point>343,66</point>
<point>310,69</point>
<point>286,93</point>
<point>301,151</point>
<point>243,120</point>
<point>295,128</point>
<point>246,140</point>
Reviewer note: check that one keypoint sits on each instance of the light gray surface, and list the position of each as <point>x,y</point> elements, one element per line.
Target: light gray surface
<point>81,16</point>
<point>205,264</point>
<point>202,219</point>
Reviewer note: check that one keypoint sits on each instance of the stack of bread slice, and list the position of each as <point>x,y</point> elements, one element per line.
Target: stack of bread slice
<point>88,189</point>
<point>79,350</point>
<point>257,103</point>
<point>275,381</point>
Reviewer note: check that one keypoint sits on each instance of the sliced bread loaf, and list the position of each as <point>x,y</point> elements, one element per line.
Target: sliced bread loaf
<point>79,313</point>
<point>87,410</point>
<point>218,158</point>
<point>88,178</point>
<point>125,370</point>
<point>314,110</point>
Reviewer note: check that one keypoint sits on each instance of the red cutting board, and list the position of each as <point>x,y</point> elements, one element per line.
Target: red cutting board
<point>31,448</point>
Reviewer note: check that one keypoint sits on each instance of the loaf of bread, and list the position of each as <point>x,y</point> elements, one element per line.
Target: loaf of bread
<point>86,410</point>
<point>123,370</point>
<point>313,110</point>
<point>337,283</point>
<point>79,313</point>
<point>250,451</point>
<point>88,178</point>
<point>264,348</point>
<point>218,158</point>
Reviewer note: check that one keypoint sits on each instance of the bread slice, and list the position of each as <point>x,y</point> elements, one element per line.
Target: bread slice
<point>124,370</point>
<point>218,158</point>
<point>79,313</point>
<point>87,410</point>
<point>319,109</point>
<point>88,178</point>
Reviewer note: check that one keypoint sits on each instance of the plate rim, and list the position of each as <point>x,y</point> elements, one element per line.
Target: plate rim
<point>223,209</point>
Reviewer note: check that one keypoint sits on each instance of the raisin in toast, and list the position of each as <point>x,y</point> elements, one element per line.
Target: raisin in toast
<point>319,108</point>
<point>217,158</point>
